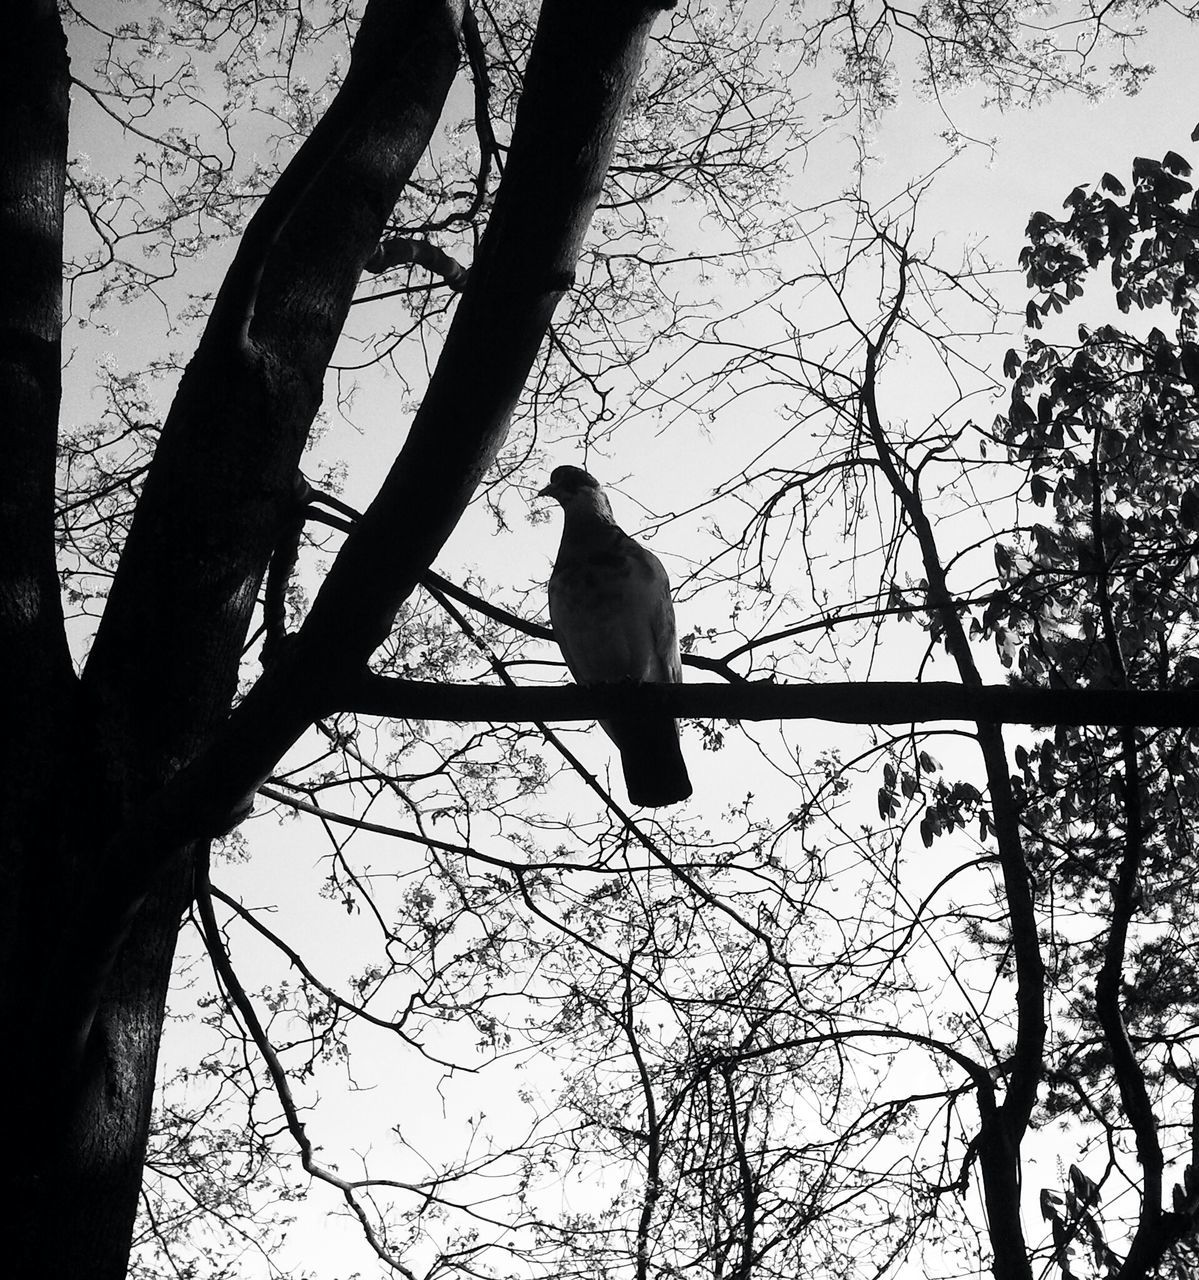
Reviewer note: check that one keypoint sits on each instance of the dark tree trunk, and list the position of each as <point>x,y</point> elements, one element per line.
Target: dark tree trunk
<point>88,1205</point>
<point>110,779</point>
<point>36,683</point>
<point>40,750</point>
<point>87,947</point>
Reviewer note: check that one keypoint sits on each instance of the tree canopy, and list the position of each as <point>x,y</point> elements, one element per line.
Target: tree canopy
<point>303,302</point>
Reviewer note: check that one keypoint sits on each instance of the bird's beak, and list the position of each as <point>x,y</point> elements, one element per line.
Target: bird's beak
<point>547,492</point>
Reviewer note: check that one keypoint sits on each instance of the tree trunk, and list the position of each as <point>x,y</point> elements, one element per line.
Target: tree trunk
<point>144,740</point>
<point>88,1200</point>
<point>88,948</point>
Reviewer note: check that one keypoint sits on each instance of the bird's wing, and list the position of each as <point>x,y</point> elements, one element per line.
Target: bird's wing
<point>667,662</point>
<point>613,619</point>
<point>611,609</point>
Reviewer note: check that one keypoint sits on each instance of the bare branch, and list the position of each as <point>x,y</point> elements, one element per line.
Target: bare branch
<point>862,702</point>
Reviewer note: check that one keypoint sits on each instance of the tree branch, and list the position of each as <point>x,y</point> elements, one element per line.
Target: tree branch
<point>398,251</point>
<point>581,76</point>
<point>223,479</point>
<point>1148,1241</point>
<point>872,702</point>
<point>237,996</point>
<point>430,578</point>
<point>582,70</point>
<point>162,672</point>
<point>1002,1130</point>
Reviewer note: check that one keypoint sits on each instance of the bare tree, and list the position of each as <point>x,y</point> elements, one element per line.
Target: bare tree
<point>139,731</point>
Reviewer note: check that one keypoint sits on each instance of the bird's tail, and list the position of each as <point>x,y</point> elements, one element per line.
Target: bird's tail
<point>654,771</point>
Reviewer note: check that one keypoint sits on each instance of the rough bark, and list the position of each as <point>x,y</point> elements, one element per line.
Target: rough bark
<point>34,78</point>
<point>39,742</point>
<point>36,683</point>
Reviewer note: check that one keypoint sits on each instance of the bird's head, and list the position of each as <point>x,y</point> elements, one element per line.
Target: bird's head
<point>567,483</point>
<point>578,492</point>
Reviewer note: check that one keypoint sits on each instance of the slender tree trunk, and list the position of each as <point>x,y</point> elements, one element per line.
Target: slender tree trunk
<point>1002,1129</point>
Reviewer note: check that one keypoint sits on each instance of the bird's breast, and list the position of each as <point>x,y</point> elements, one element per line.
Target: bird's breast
<point>612,613</point>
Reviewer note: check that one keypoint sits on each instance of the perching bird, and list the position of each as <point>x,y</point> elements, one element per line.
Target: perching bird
<point>614,621</point>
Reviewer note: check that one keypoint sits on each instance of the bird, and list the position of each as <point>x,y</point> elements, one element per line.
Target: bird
<point>613,619</point>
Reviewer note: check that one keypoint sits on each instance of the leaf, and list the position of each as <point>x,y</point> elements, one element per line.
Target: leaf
<point>1167,188</point>
<point>1143,167</point>
<point>1021,414</point>
<point>1188,509</point>
<point>1086,1190</point>
<point>1176,164</point>
<point>1189,355</point>
<point>1011,363</point>
<point>1032,316</point>
<point>1112,184</point>
<point>1051,1202</point>
<point>1038,224</point>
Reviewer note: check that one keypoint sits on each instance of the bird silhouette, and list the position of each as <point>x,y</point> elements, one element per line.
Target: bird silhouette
<point>614,621</point>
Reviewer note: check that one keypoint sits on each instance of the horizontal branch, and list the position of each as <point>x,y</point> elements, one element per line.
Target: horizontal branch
<point>400,251</point>
<point>881,702</point>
